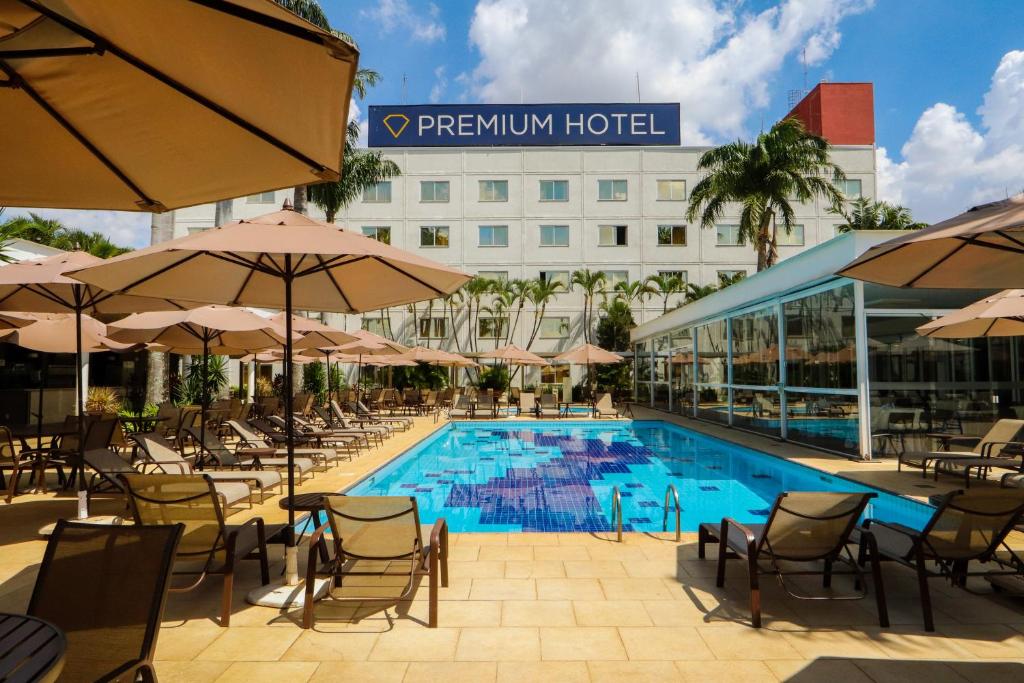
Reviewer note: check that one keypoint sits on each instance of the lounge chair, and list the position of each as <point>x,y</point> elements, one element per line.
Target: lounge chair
<point>965,526</point>
<point>208,546</point>
<point>248,438</point>
<point>323,454</point>
<point>215,449</point>
<point>485,407</point>
<point>363,413</point>
<point>1011,458</point>
<point>548,406</point>
<point>378,536</point>
<point>345,431</point>
<point>603,407</point>
<point>107,466</point>
<point>462,409</point>
<point>161,454</point>
<point>105,587</point>
<point>527,404</point>
<point>802,527</point>
<point>1004,432</point>
<point>334,437</point>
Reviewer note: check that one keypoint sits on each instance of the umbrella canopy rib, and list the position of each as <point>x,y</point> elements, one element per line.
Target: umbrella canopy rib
<point>145,201</point>
<point>127,57</point>
<point>245,13</point>
<point>337,285</point>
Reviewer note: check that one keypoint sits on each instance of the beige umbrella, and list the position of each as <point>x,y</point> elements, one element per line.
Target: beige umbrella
<point>979,249</point>
<point>513,355</point>
<point>11,321</point>
<point>588,354</point>
<point>282,260</point>
<point>1001,315</point>
<point>43,286</point>
<point>423,354</point>
<point>315,334</point>
<point>221,330</point>
<point>148,106</point>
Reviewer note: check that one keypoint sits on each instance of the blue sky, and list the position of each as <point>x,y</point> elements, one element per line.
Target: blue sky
<point>948,74</point>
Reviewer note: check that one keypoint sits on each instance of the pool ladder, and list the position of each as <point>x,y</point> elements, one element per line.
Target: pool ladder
<point>672,496</point>
<point>617,512</point>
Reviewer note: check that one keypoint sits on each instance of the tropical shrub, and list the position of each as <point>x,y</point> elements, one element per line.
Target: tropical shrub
<point>422,376</point>
<point>103,400</point>
<point>495,377</point>
<point>314,380</point>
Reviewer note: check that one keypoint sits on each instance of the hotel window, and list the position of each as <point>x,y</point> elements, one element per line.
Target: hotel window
<point>611,190</point>
<point>494,190</point>
<point>381,233</point>
<point>492,328</point>
<point>728,235</point>
<point>434,236</point>
<point>554,235</point>
<point>554,190</point>
<point>671,190</point>
<point>493,235</point>
<point>681,274</point>
<point>611,235</point>
<point>560,276</point>
<point>499,275</point>
<point>730,275</point>
<point>795,237</point>
<point>851,188</point>
<point>379,193</point>
<point>374,324</point>
<point>553,374</point>
<point>671,235</point>
<point>260,198</point>
<point>433,328</point>
<point>554,328</point>
<point>614,277</point>
<point>434,190</point>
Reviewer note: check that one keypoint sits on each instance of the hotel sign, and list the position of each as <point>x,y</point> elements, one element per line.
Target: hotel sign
<point>489,125</point>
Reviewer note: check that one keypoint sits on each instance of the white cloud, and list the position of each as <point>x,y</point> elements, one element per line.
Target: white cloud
<point>440,84</point>
<point>709,55</point>
<point>949,165</point>
<point>392,15</point>
<point>123,228</point>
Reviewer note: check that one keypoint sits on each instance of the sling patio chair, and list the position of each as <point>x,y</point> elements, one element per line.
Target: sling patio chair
<point>1011,458</point>
<point>106,466</point>
<point>335,438</point>
<point>462,409</point>
<point>966,526</point>
<point>353,422</point>
<point>376,539</point>
<point>527,404</point>
<point>18,462</point>
<point>802,527</point>
<point>603,407</point>
<point>162,456</point>
<point>208,545</point>
<point>1003,433</point>
<point>362,412</point>
<point>248,438</point>
<point>486,406</point>
<point>242,459</point>
<point>106,587</point>
<point>548,406</point>
<point>343,431</point>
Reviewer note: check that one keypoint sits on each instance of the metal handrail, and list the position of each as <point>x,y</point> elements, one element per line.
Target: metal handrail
<point>617,512</point>
<point>672,493</point>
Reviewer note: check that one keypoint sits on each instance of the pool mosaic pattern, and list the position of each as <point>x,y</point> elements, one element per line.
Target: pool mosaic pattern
<point>559,476</point>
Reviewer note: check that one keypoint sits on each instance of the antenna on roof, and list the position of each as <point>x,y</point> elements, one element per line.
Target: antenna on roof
<point>638,87</point>
<point>803,60</point>
<point>793,97</point>
<point>405,89</point>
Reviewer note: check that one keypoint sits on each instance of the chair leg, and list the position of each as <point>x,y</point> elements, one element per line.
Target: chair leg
<point>702,540</point>
<point>755,591</point>
<point>922,583</point>
<point>876,579</point>
<point>722,550</point>
<point>225,599</point>
<point>433,578</point>
<point>826,576</point>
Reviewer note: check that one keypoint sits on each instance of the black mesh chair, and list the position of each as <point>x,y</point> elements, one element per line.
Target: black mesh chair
<point>106,587</point>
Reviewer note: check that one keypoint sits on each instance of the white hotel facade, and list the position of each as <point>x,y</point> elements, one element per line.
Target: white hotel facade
<point>543,212</point>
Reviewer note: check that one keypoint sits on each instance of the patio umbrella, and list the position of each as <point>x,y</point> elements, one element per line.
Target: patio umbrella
<point>588,354</point>
<point>220,329</point>
<point>316,334</point>
<point>1001,315</point>
<point>369,347</point>
<point>43,286</point>
<point>513,355</point>
<point>982,248</point>
<point>149,106</point>
<point>281,260</point>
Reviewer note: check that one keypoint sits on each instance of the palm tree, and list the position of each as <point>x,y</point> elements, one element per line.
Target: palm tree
<point>634,291</point>
<point>666,285</point>
<point>724,280</point>
<point>590,283</point>
<point>542,292</point>
<point>53,233</point>
<point>359,169</point>
<point>765,177</point>
<point>474,291</point>
<point>695,291</point>
<point>518,292</point>
<point>866,214</point>
<point>92,242</point>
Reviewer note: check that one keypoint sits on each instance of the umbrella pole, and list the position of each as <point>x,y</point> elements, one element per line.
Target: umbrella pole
<point>291,552</point>
<point>44,366</point>
<point>83,493</point>
<point>203,399</point>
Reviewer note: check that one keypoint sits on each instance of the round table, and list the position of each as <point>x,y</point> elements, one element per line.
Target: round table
<point>30,649</point>
<point>312,503</point>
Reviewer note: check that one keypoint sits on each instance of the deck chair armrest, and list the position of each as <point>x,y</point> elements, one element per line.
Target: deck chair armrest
<point>970,441</point>
<point>181,467</point>
<point>748,535</point>
<point>236,531</point>
<point>438,534</point>
<point>315,539</point>
<point>986,450</point>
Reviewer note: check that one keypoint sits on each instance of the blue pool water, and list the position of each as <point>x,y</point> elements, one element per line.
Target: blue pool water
<point>558,476</point>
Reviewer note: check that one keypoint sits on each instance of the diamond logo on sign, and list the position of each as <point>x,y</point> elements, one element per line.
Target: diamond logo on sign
<point>396,123</point>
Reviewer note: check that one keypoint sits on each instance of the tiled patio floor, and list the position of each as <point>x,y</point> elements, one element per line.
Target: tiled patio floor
<point>566,607</point>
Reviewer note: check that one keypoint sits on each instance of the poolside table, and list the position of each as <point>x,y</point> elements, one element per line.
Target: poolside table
<point>312,503</point>
<point>31,649</point>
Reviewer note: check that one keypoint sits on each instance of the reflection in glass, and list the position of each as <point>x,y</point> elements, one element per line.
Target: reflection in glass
<point>713,404</point>
<point>757,410</point>
<point>755,348</point>
<point>712,353</point>
<point>682,378</point>
<point>824,420</point>
<point>820,340</point>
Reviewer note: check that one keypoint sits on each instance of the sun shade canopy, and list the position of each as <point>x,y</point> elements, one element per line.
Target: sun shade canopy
<point>149,106</point>
<point>223,330</point>
<point>514,355</point>
<point>55,333</point>
<point>315,334</point>
<point>588,354</point>
<point>982,248</point>
<point>244,263</point>
<point>1001,315</point>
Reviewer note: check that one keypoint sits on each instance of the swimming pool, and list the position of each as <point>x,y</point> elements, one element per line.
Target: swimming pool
<point>510,476</point>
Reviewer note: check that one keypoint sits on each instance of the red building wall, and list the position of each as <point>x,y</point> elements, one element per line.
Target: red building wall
<point>842,113</point>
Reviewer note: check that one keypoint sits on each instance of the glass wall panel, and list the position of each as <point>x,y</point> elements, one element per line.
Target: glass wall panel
<point>712,353</point>
<point>682,374</point>
<point>755,348</point>
<point>661,359</point>
<point>824,420</point>
<point>820,340</point>
<point>642,374</point>
<point>713,404</point>
<point>757,410</point>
